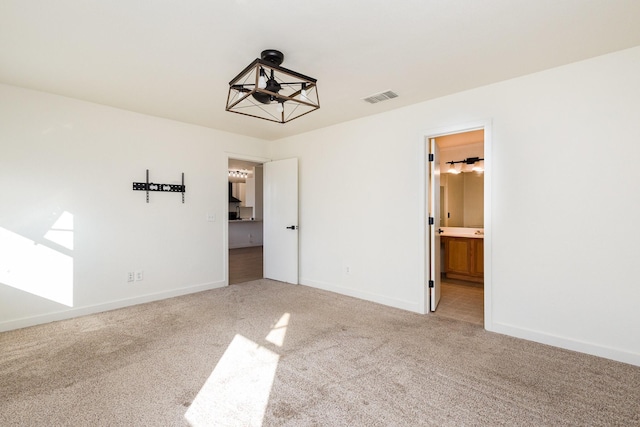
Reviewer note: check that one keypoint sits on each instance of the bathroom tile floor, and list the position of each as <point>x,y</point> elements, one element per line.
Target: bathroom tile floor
<point>462,301</point>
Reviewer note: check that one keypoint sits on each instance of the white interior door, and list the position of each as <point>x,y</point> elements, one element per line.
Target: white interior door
<point>434,225</point>
<point>281,220</point>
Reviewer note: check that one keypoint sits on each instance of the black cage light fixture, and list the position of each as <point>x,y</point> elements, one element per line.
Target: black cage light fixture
<point>268,91</point>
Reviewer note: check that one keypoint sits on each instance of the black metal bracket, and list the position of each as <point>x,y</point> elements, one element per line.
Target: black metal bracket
<point>150,186</point>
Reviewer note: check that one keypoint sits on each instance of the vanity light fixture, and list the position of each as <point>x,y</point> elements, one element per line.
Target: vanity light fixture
<point>266,90</point>
<point>455,168</point>
<point>238,174</point>
<point>478,166</point>
<point>470,164</point>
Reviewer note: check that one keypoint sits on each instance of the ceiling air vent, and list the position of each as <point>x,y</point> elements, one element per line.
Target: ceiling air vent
<point>379,97</point>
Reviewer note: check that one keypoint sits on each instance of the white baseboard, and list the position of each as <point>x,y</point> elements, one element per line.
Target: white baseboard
<point>367,296</point>
<point>567,343</point>
<point>112,305</point>
<point>530,335</point>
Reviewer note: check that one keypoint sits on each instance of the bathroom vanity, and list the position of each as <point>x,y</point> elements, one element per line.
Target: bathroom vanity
<point>463,253</point>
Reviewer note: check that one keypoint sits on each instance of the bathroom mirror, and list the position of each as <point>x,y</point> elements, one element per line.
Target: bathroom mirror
<point>463,200</point>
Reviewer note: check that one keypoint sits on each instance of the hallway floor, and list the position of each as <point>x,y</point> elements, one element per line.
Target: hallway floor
<point>245,264</point>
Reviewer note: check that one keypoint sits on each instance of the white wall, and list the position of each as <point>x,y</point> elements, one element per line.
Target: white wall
<point>360,208</point>
<point>62,155</point>
<point>564,207</point>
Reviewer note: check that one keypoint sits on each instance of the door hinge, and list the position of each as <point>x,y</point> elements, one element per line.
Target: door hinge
<point>431,157</point>
<point>431,284</point>
<point>431,221</point>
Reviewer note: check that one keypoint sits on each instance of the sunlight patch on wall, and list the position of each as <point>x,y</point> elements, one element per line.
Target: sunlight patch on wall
<point>61,231</point>
<point>35,268</point>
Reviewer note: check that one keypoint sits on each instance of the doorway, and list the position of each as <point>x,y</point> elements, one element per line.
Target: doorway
<point>462,222</point>
<point>245,236</point>
<point>263,215</point>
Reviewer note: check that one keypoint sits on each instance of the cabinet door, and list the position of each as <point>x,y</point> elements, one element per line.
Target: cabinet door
<point>458,255</point>
<point>238,191</point>
<point>477,263</point>
<point>250,193</point>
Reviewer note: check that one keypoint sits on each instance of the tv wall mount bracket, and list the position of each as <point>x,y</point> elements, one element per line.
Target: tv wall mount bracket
<point>151,186</point>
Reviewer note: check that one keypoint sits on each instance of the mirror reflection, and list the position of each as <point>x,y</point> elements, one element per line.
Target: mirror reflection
<point>462,179</point>
<point>462,200</point>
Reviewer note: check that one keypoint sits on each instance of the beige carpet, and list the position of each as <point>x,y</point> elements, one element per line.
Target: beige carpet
<point>267,353</point>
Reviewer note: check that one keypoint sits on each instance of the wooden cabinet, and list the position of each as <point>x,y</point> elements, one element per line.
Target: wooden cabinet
<point>478,258</point>
<point>464,258</point>
<point>238,190</point>
<point>253,193</point>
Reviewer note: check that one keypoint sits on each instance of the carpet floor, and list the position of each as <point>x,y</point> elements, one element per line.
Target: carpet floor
<point>273,354</point>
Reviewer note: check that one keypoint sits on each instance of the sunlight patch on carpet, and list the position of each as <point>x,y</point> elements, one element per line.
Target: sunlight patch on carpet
<point>237,392</point>
<point>279,330</point>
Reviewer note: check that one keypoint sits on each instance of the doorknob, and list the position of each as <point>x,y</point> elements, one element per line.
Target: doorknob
<point>292,227</point>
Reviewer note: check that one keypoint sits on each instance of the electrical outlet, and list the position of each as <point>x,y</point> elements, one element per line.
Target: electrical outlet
<point>348,270</point>
<point>130,276</point>
<point>250,238</point>
<point>139,275</point>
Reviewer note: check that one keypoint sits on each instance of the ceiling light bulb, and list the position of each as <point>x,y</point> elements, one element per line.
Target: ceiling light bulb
<point>280,107</point>
<point>452,168</point>
<point>478,166</point>
<point>262,80</point>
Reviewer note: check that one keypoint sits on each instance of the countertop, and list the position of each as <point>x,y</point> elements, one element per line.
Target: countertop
<point>245,220</point>
<point>473,233</point>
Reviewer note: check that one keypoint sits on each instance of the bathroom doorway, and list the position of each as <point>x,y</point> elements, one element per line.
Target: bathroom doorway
<point>460,231</point>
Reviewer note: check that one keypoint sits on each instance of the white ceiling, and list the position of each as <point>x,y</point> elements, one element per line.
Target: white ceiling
<point>174,59</point>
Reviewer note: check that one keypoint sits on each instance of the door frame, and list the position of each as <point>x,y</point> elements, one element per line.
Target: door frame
<point>434,204</point>
<point>488,169</point>
<point>225,227</point>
